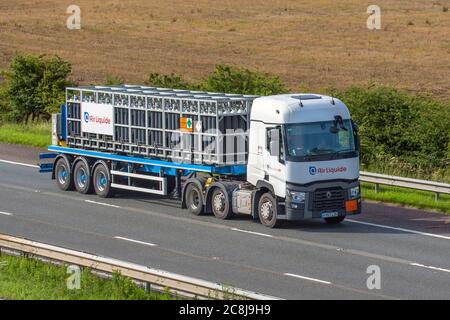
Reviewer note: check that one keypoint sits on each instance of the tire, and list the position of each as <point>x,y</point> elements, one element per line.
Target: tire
<point>334,220</point>
<point>194,199</point>
<point>63,175</point>
<point>267,211</point>
<point>220,204</point>
<point>82,178</point>
<point>102,181</point>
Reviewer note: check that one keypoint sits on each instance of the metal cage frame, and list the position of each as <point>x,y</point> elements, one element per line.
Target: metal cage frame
<point>152,136</point>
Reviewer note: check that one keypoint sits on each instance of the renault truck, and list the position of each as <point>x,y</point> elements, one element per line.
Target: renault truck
<point>275,158</point>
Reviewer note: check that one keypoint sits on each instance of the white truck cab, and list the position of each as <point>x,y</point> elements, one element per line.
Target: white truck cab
<point>304,148</point>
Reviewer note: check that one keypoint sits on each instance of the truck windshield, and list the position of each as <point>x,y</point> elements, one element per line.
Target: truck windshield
<point>320,139</point>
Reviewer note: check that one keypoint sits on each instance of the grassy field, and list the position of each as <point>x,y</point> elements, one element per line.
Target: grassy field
<point>309,44</point>
<point>37,135</point>
<point>22,278</point>
<point>406,197</point>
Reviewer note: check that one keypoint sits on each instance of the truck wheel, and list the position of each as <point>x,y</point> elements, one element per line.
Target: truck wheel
<point>267,211</point>
<point>63,176</point>
<point>194,199</point>
<point>82,178</point>
<point>102,182</point>
<point>221,204</point>
<point>334,220</point>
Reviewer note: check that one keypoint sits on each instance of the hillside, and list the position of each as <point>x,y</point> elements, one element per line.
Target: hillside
<point>309,44</point>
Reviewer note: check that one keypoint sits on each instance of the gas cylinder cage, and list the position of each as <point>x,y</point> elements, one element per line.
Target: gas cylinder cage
<point>146,122</point>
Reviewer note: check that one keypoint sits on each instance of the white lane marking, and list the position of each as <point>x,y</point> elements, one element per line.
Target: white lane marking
<point>252,232</point>
<point>400,229</point>
<point>20,163</point>
<point>6,213</point>
<point>306,278</point>
<point>430,267</point>
<point>102,204</point>
<point>136,241</point>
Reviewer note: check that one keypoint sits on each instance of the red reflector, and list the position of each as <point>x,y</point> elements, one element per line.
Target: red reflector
<point>351,205</point>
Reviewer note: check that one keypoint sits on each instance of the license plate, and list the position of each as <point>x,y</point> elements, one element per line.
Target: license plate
<point>329,214</point>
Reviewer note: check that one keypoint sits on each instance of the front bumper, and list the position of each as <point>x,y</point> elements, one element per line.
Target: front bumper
<point>316,204</point>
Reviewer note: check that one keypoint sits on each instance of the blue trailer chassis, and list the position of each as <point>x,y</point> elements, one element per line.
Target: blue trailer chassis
<point>148,165</point>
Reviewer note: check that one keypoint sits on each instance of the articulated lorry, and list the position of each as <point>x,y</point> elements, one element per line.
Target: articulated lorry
<point>275,158</point>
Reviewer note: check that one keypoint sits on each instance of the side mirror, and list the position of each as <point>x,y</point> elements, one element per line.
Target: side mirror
<point>274,146</point>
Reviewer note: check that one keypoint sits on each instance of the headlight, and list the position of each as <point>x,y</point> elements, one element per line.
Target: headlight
<point>354,192</point>
<point>297,197</point>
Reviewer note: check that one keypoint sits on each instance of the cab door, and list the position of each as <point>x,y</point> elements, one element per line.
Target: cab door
<point>274,164</point>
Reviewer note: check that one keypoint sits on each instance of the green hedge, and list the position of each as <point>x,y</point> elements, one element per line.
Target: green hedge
<point>401,133</point>
<point>224,79</point>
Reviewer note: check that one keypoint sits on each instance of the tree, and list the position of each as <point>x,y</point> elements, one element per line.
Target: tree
<point>35,86</point>
<point>172,81</point>
<point>225,79</point>
<point>236,80</point>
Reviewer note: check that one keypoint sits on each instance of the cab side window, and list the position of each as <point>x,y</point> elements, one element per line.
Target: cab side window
<point>268,138</point>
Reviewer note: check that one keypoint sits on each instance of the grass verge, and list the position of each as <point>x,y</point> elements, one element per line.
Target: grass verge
<point>28,279</point>
<point>36,135</point>
<point>406,197</point>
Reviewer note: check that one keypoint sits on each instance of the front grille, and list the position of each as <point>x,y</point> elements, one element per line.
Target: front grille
<point>328,199</point>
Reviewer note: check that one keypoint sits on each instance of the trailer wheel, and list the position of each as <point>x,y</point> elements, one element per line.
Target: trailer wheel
<point>194,199</point>
<point>82,177</point>
<point>102,182</point>
<point>221,204</point>
<point>267,211</point>
<point>334,220</point>
<point>63,175</point>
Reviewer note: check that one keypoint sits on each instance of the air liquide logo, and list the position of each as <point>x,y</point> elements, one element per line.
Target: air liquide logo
<point>94,119</point>
<point>313,170</point>
<point>97,118</point>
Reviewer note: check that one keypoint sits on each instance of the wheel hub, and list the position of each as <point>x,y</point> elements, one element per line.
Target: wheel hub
<point>62,176</point>
<point>81,178</point>
<point>101,182</point>
<point>219,202</point>
<point>266,210</point>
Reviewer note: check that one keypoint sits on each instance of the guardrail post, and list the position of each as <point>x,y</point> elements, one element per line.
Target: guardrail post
<point>147,287</point>
<point>377,188</point>
<point>436,196</point>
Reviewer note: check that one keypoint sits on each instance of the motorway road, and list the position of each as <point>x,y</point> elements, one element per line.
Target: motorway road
<point>307,260</point>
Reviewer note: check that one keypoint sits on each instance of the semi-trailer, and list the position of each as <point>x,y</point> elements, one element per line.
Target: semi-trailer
<point>276,158</point>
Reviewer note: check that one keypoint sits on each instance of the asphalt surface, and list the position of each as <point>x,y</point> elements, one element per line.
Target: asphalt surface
<point>305,260</point>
